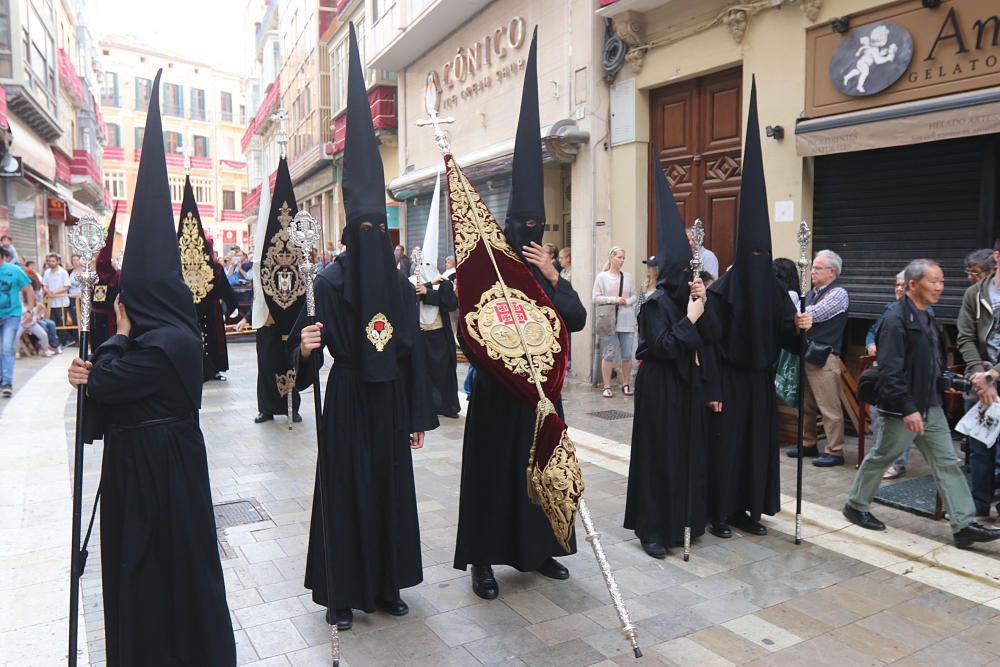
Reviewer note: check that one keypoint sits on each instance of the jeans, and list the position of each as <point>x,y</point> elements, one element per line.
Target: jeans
<point>938,451</point>
<point>618,345</point>
<point>8,334</point>
<point>50,330</point>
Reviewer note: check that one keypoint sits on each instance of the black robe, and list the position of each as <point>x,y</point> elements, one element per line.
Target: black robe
<point>212,321</point>
<point>669,425</point>
<point>441,355</point>
<point>272,360</point>
<point>103,322</point>
<point>497,524</point>
<point>743,466</point>
<point>371,498</point>
<point>164,594</point>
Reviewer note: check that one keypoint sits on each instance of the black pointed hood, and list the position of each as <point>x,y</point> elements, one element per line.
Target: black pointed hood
<point>527,192</point>
<point>107,274</point>
<point>673,253</point>
<point>197,263</point>
<point>371,283</point>
<point>280,280</point>
<point>154,294</point>
<point>757,300</point>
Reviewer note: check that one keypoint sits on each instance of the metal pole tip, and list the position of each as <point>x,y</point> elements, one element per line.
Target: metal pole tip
<point>637,651</point>
<point>687,557</point>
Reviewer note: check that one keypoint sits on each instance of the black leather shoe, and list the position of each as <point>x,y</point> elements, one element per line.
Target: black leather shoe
<point>345,619</point>
<point>828,461</point>
<point>484,584</point>
<point>720,529</point>
<point>261,418</point>
<point>866,519</point>
<point>296,417</point>
<point>394,607</point>
<point>552,569</point>
<point>220,377</point>
<point>655,549</point>
<point>454,416</point>
<point>748,525</point>
<point>975,532</point>
<point>793,452</point>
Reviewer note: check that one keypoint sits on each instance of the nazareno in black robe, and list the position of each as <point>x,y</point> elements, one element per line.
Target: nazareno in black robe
<point>372,504</point>
<point>272,360</point>
<point>212,321</point>
<point>669,425</point>
<point>497,523</point>
<point>164,593</point>
<point>442,361</point>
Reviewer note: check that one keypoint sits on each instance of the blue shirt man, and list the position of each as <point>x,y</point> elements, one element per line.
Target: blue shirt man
<point>13,282</point>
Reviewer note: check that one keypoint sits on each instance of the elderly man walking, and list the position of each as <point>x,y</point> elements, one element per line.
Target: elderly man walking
<point>827,302</point>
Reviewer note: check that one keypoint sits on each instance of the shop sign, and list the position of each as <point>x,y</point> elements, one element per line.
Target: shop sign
<point>903,53</point>
<point>56,209</point>
<point>477,68</point>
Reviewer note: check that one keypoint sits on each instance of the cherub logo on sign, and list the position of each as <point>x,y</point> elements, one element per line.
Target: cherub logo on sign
<point>870,59</point>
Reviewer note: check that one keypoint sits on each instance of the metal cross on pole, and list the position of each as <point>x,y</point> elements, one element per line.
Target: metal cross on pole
<point>803,238</point>
<point>430,106</point>
<point>281,137</point>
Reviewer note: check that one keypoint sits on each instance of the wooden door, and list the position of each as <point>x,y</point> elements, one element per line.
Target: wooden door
<point>697,127</point>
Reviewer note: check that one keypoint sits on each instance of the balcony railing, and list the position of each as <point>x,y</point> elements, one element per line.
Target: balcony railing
<point>385,28</point>
<point>265,22</point>
<point>69,79</point>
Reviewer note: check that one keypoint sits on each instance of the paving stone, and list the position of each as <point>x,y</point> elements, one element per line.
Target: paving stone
<point>276,638</point>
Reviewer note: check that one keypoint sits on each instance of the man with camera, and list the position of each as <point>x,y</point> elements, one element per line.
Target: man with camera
<point>979,345</point>
<point>911,382</point>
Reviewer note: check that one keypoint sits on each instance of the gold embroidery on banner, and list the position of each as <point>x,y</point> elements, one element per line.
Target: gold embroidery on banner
<point>492,324</point>
<point>379,331</point>
<point>197,271</point>
<point>464,220</point>
<point>279,273</point>
<point>285,381</point>
<point>100,293</point>
<point>559,486</point>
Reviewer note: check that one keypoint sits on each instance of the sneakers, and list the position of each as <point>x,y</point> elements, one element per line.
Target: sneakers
<point>6,390</point>
<point>49,353</point>
<point>894,472</point>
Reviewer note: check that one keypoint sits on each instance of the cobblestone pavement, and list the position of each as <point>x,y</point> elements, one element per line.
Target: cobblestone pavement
<point>841,598</point>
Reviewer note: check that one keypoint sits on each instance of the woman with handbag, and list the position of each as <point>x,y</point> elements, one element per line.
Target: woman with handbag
<point>614,304</point>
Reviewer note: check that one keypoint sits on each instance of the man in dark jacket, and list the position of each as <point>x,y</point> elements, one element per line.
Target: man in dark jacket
<point>910,362</point>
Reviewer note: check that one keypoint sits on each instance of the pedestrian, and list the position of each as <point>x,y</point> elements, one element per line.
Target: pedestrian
<point>911,360</point>
<point>497,523</point>
<point>403,263</point>
<point>614,313</point>
<point>50,327</point>
<point>979,345</point>
<point>377,408</point>
<point>708,258</point>
<point>56,283</point>
<point>652,277</point>
<point>164,593</point>
<point>827,303</point>
<point>279,293</point>
<point>758,320</point>
<point>979,264</point>
<point>666,479</point>
<point>14,284</point>
<point>8,244</point>
<point>553,252</point>
<point>566,264</point>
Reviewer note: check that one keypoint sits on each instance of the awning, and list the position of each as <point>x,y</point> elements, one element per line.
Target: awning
<point>936,119</point>
<point>34,153</point>
<point>73,207</point>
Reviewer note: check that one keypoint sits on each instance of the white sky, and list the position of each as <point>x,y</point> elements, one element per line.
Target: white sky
<point>211,31</point>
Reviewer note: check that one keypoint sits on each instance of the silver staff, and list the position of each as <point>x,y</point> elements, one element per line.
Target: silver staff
<point>804,279</point>
<point>304,232</point>
<point>698,238</point>
<point>87,239</point>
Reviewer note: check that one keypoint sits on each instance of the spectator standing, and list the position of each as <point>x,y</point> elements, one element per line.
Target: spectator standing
<point>553,252</point>
<point>910,395</point>
<point>566,262</point>
<point>403,264</point>
<point>614,304</point>
<point>979,345</point>
<point>709,261</point>
<point>652,273</point>
<point>979,264</point>
<point>827,303</point>
<point>14,283</point>
<point>8,243</point>
<point>56,284</point>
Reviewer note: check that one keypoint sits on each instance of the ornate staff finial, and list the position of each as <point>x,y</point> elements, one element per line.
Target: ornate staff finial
<point>87,239</point>
<point>698,238</point>
<point>282,135</point>
<point>804,236</point>
<point>430,106</point>
<point>304,232</point>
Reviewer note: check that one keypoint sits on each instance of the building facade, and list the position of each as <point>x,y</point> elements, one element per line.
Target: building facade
<point>203,117</point>
<point>879,122</point>
<point>51,123</point>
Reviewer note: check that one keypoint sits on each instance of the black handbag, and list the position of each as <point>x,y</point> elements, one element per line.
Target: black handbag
<point>868,385</point>
<point>817,353</point>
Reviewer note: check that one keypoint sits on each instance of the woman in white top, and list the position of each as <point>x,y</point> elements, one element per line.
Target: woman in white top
<point>614,307</point>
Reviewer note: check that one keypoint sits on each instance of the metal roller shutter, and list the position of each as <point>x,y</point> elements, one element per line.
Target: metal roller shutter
<point>495,191</point>
<point>880,209</point>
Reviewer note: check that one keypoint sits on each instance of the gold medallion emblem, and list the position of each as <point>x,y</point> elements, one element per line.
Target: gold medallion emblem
<point>494,324</point>
<point>279,274</point>
<point>100,293</point>
<point>379,331</point>
<point>195,268</point>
